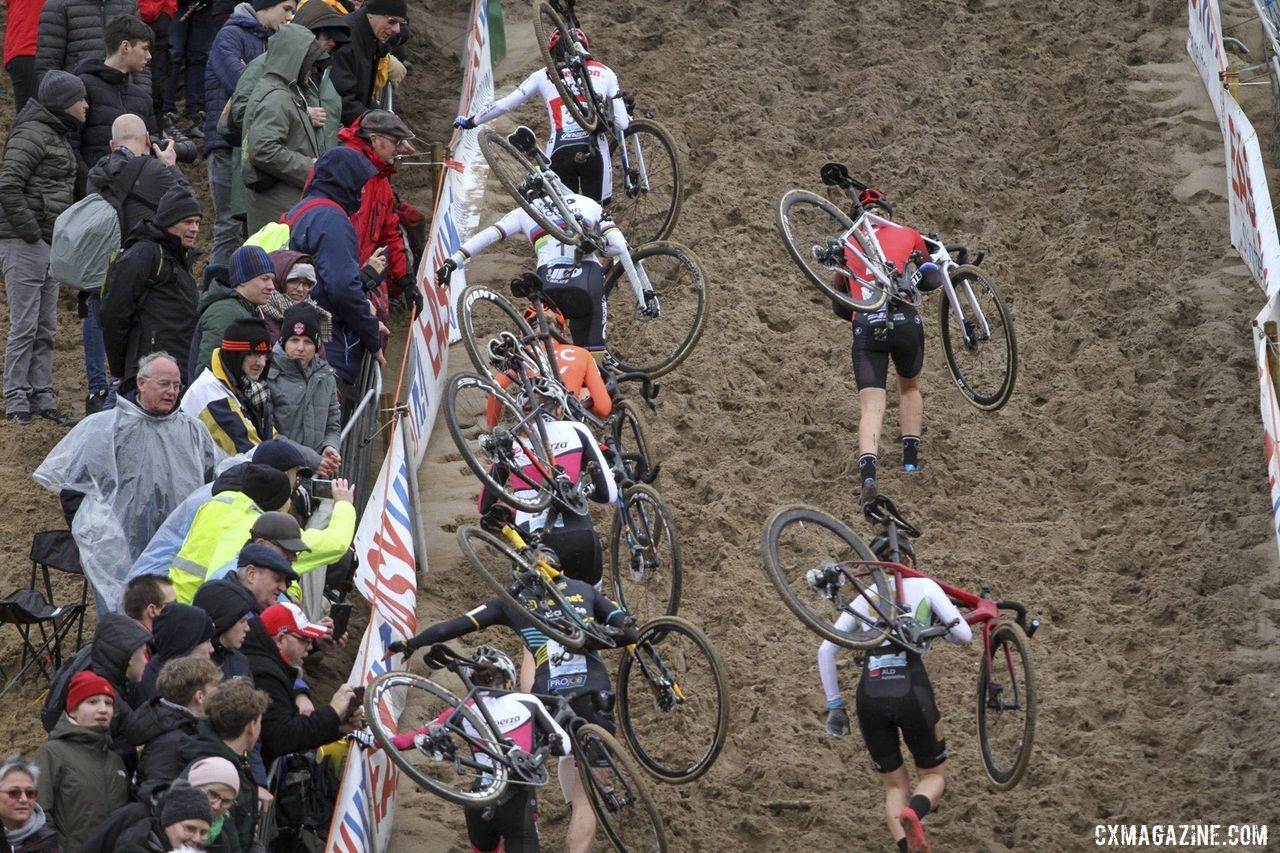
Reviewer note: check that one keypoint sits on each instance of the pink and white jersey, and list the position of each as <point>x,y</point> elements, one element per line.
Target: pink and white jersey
<point>572,446</point>
<point>549,250</point>
<point>515,714</point>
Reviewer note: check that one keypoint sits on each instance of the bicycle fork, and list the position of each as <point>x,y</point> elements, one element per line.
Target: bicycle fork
<point>976,329</point>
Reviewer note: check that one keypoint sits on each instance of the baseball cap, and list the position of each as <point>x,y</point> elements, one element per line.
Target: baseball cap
<point>281,529</point>
<point>262,557</point>
<point>287,618</point>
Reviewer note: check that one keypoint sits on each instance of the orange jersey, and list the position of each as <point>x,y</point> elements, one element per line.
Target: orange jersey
<point>580,375</point>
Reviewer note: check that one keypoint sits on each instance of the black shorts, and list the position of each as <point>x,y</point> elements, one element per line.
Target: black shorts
<point>577,546</point>
<point>581,168</point>
<point>914,714</point>
<point>874,343</point>
<point>512,823</point>
<point>595,709</point>
<point>579,294</point>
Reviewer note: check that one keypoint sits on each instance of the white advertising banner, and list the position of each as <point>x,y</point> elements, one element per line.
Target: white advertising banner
<point>1266,326</point>
<point>1253,221</point>
<point>1204,43</point>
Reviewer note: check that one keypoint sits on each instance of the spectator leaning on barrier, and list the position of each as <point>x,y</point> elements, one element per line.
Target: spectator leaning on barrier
<point>115,85</point>
<point>81,779</point>
<point>379,136</point>
<point>160,726</point>
<point>231,732</point>
<point>361,69</point>
<point>282,123</point>
<point>243,37</point>
<point>304,389</point>
<point>24,827</point>
<point>231,397</point>
<point>149,302</point>
<point>322,229</point>
<point>252,282</point>
<point>120,473</point>
<point>71,31</point>
<point>37,182</point>
<point>20,31</point>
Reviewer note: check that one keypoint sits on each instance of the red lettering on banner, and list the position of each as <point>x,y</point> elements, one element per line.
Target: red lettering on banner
<point>391,587</point>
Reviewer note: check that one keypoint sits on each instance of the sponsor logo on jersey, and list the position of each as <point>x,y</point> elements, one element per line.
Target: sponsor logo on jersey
<point>567,682</point>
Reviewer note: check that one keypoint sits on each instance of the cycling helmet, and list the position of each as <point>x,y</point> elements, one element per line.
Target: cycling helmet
<point>553,43</point>
<point>552,314</point>
<point>492,667</point>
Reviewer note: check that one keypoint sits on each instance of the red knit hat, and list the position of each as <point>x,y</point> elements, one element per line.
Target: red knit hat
<point>86,684</point>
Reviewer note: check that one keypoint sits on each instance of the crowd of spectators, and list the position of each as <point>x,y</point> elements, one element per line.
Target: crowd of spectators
<point>217,391</point>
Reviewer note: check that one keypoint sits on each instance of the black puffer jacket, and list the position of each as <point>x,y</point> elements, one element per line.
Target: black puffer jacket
<point>71,30</point>
<point>111,177</point>
<point>284,728</point>
<point>38,174</point>
<point>159,727</point>
<point>149,302</point>
<point>111,94</point>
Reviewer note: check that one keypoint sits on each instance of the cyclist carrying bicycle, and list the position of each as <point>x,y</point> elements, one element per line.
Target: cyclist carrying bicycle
<point>511,823</point>
<point>578,371</point>
<point>581,161</point>
<point>895,696</point>
<point>574,281</point>
<point>580,677</point>
<point>896,331</point>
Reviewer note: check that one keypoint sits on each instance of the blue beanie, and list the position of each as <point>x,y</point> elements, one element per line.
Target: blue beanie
<point>249,262</point>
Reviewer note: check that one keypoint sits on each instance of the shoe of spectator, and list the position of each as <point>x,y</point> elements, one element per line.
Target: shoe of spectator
<point>19,418</point>
<point>94,402</point>
<point>54,415</point>
<point>170,124</point>
<point>196,128</point>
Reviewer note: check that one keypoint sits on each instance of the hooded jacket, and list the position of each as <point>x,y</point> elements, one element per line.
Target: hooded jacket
<point>177,630</point>
<point>81,779</point>
<point>205,743</point>
<point>115,640</point>
<point>159,729</point>
<point>326,234</point>
<point>37,174</point>
<point>111,94</point>
<point>280,143</point>
<point>355,66</point>
<point>149,302</point>
<point>71,31</point>
<point>376,222</point>
<point>138,199</point>
<point>219,307</point>
<point>240,40</point>
<point>284,728</point>
<point>304,401</point>
<point>37,834</point>
<point>226,604</point>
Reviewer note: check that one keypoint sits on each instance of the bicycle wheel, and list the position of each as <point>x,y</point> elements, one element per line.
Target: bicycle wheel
<point>483,315</point>
<point>646,201</point>
<point>644,555</point>
<point>498,440</point>
<point>1006,707</point>
<point>627,430</point>
<point>518,176</point>
<point>519,584</point>
<point>625,810</point>
<point>449,767</point>
<point>656,346</point>
<point>809,222</point>
<point>985,366</point>
<point>798,540</point>
<point>575,92</point>
<point>673,704</point>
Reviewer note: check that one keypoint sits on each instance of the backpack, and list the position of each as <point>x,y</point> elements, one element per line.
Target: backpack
<point>87,236</point>
<point>274,236</point>
<point>55,701</point>
<point>305,791</point>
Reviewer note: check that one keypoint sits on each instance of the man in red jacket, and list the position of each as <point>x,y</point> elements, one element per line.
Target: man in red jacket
<point>20,48</point>
<point>380,135</point>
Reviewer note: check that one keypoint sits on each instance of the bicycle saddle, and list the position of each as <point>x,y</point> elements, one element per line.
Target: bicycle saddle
<point>880,510</point>
<point>834,174</point>
<point>525,285</point>
<point>524,140</point>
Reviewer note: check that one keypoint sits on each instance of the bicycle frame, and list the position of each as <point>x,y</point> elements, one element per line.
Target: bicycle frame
<point>943,259</point>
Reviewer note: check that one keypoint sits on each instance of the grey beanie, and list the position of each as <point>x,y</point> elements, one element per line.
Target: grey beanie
<point>184,802</point>
<point>59,90</point>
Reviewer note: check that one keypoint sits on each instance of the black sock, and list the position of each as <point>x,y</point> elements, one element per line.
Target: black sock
<point>920,805</point>
<point>902,845</point>
<point>911,450</point>
<point>867,466</point>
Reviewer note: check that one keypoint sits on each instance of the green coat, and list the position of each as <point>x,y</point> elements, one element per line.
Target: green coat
<point>279,140</point>
<point>37,175</point>
<point>219,307</point>
<point>82,780</point>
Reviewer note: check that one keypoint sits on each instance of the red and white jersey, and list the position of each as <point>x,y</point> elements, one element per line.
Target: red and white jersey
<point>564,130</point>
<point>549,250</point>
<point>571,446</point>
<point>896,241</point>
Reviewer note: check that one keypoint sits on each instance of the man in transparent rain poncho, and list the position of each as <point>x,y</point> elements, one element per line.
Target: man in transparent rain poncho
<point>119,473</point>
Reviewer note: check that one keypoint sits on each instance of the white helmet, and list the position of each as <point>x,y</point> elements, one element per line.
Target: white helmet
<point>487,659</point>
